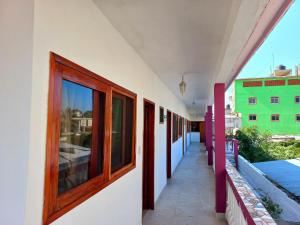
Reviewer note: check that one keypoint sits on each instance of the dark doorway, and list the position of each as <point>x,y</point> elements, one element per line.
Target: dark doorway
<point>169,143</point>
<point>202,131</point>
<point>148,155</point>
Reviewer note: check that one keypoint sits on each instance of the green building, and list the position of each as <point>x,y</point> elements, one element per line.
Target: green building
<point>271,103</point>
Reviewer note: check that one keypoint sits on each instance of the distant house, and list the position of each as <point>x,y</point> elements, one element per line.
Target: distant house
<point>271,103</point>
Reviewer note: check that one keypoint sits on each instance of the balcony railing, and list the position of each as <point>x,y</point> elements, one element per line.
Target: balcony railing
<point>243,207</point>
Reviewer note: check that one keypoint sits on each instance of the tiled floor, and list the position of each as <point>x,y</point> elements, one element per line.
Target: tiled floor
<point>188,198</point>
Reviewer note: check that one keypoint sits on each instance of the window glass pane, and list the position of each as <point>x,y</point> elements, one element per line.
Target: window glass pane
<point>77,162</point>
<point>252,100</point>
<point>122,131</point>
<point>275,117</point>
<point>252,117</point>
<point>161,115</point>
<point>297,99</point>
<point>274,99</point>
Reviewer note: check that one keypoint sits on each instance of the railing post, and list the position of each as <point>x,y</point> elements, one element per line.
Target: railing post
<point>220,156</point>
<point>209,144</point>
<point>236,152</point>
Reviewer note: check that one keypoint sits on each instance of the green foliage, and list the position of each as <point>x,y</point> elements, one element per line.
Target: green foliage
<point>273,208</point>
<point>257,146</point>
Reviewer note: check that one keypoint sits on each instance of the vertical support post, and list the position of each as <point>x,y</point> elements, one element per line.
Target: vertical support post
<point>236,152</point>
<point>209,145</point>
<point>220,173</point>
<point>205,133</point>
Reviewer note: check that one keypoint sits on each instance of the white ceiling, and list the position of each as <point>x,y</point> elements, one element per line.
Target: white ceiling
<point>196,38</point>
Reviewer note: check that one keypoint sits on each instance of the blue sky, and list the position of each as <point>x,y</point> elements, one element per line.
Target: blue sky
<point>283,43</point>
<point>76,96</point>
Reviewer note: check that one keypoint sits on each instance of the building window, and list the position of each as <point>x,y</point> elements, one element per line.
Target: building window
<point>175,127</point>
<point>90,136</point>
<point>297,99</point>
<point>252,117</point>
<point>180,126</point>
<point>122,127</point>
<point>298,117</point>
<point>252,101</point>
<point>275,117</point>
<point>274,100</point>
<point>161,115</point>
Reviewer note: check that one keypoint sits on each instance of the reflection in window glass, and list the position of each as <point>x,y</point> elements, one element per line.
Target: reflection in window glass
<point>122,131</point>
<point>77,162</point>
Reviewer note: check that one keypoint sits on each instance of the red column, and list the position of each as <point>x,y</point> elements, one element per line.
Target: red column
<point>236,152</point>
<point>205,134</point>
<point>220,174</point>
<point>209,145</point>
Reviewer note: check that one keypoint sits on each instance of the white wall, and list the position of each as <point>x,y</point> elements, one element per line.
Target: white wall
<point>16,26</point>
<point>195,136</point>
<point>77,30</point>
<point>188,139</point>
<point>176,154</point>
<point>262,185</point>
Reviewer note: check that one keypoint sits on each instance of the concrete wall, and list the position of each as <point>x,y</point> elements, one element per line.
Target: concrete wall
<point>262,185</point>
<point>77,30</point>
<point>263,109</point>
<point>16,37</point>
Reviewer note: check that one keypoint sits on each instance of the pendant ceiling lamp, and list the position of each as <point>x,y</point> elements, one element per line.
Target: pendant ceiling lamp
<point>182,86</point>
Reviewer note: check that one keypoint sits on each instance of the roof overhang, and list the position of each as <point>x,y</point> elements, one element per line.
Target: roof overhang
<point>207,41</point>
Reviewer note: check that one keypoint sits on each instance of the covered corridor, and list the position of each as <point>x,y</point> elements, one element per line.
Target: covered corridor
<point>188,197</point>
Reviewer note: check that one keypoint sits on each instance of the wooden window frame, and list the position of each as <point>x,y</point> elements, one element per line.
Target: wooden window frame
<point>275,120</point>
<point>179,127</point>
<point>252,115</point>
<point>252,103</point>
<point>174,129</point>
<point>296,100</point>
<point>56,205</point>
<point>125,169</point>
<point>274,97</point>
<point>161,119</point>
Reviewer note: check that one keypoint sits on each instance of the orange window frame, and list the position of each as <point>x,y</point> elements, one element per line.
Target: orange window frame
<point>55,205</point>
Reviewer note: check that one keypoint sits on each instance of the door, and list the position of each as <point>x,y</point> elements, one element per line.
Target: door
<point>183,136</point>
<point>185,133</point>
<point>202,131</point>
<point>169,143</point>
<point>148,155</point>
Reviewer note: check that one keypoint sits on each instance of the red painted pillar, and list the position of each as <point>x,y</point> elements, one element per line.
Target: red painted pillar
<point>236,152</point>
<point>205,133</point>
<point>209,145</point>
<point>220,174</point>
